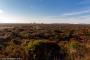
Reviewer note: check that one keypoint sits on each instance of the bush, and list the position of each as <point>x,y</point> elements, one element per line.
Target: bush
<point>44,50</point>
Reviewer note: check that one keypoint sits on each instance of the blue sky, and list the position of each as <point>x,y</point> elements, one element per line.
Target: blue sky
<point>45,11</point>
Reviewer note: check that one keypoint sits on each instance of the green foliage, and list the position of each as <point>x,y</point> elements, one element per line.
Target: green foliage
<point>31,45</point>
<point>73,46</point>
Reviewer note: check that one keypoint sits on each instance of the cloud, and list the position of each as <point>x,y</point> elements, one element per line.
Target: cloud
<point>64,18</point>
<point>48,19</point>
<point>59,19</point>
<point>77,13</point>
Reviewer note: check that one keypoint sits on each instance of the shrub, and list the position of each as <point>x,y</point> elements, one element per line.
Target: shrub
<point>44,50</point>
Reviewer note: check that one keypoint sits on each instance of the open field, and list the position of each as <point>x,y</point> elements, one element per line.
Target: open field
<point>45,41</point>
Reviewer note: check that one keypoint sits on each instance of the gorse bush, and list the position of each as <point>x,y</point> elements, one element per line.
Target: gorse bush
<point>31,45</point>
<point>44,50</point>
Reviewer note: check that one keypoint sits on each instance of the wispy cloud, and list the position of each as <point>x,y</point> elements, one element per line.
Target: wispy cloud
<point>64,18</point>
<point>74,20</point>
<point>51,19</point>
<point>76,13</point>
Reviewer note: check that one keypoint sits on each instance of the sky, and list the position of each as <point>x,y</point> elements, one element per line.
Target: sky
<point>45,11</point>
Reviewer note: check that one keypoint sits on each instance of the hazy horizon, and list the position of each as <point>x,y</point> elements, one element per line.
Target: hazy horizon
<point>45,11</point>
